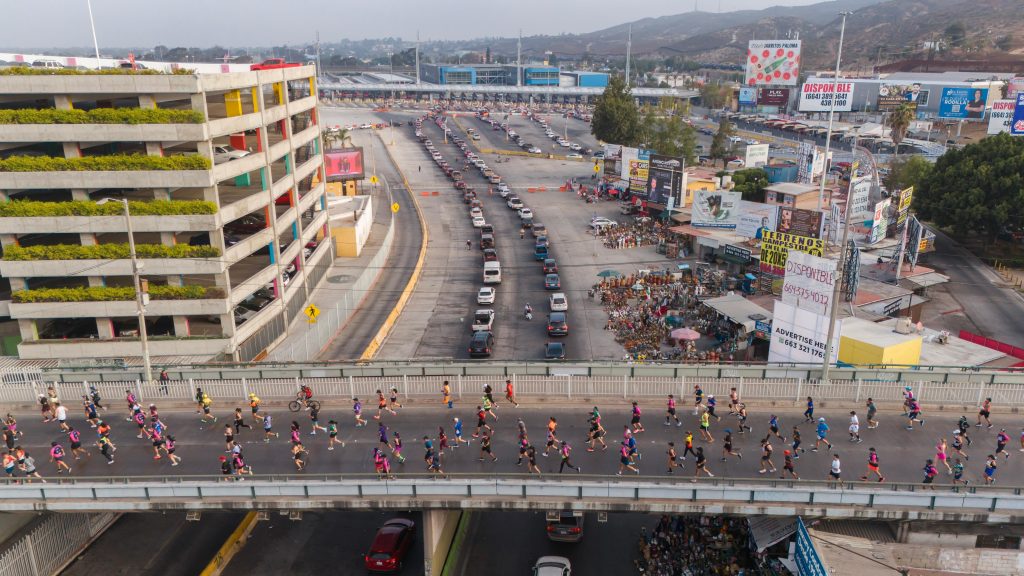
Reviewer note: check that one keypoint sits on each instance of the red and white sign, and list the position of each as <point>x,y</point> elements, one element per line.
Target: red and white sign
<point>773,63</point>
<point>816,96</point>
<point>1001,115</point>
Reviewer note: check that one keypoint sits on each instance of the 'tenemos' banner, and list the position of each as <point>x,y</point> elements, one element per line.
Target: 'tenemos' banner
<point>963,103</point>
<point>715,209</point>
<point>775,247</point>
<point>772,96</point>
<point>772,63</point>
<point>817,97</point>
<point>344,164</point>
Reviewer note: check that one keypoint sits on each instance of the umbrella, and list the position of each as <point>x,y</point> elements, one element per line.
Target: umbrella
<point>685,334</point>
<point>609,274</point>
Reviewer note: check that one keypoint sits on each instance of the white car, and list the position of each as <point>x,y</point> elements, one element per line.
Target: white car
<point>564,143</point>
<point>476,212</point>
<point>503,189</point>
<point>479,222</point>
<point>752,142</point>
<point>365,126</point>
<point>483,320</point>
<point>486,295</point>
<point>575,146</point>
<point>525,212</point>
<point>227,153</point>
<point>514,203</point>
<point>574,156</point>
<point>558,302</point>
<point>602,222</point>
<point>552,566</point>
<point>534,150</point>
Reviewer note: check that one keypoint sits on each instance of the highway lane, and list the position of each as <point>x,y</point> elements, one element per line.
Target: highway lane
<point>902,452</point>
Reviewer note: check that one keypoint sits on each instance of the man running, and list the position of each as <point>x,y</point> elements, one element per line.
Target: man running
<point>742,415</point>
<point>75,437</point>
<point>985,412</point>
<point>705,426</point>
<point>854,427</point>
<point>773,427</point>
<point>596,434</point>
<point>712,405</point>
<point>822,433</point>
<point>457,427</point>
<point>914,414</point>
<point>481,422</point>
<point>698,395</point>
<point>446,394</point>
<point>489,394</point>
<point>624,462</point>
<point>688,444</point>
<point>809,412</point>
<point>551,438</point>
<point>254,406</point>
<point>766,456</point>
<point>701,465</point>
<point>929,474</point>
<point>314,420</point>
<point>990,469</point>
<point>240,421</point>
<point>485,448</point>
<point>332,435</point>
<point>727,446</point>
<point>531,466</point>
<point>488,406</point>
<point>734,400</point>
<point>357,411</point>
<point>1002,438</point>
<point>206,404</point>
<point>787,466</point>
<point>57,457</point>
<point>836,469</point>
<point>382,406</point>
<point>268,428</point>
<point>673,458</point>
<point>958,473</point>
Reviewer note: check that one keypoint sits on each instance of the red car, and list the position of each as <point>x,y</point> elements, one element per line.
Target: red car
<point>390,545</point>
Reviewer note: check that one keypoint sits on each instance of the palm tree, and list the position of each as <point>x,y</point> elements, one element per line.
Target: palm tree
<point>898,122</point>
<point>336,136</point>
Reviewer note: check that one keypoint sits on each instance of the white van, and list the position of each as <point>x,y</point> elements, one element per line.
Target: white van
<point>492,272</point>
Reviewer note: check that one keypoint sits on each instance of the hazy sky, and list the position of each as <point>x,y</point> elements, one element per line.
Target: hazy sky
<point>146,23</point>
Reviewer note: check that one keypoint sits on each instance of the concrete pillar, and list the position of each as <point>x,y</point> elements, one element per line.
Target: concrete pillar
<point>181,327</point>
<point>72,150</point>
<point>161,193</point>
<point>147,101</point>
<point>62,102</point>
<point>27,328</point>
<point>438,532</point>
<point>104,326</point>
<point>79,194</point>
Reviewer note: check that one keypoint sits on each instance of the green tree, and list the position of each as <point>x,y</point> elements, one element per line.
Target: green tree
<point>956,33</point>
<point>751,182</point>
<point>976,189</point>
<point>714,96</point>
<point>898,122</point>
<point>907,171</point>
<point>616,117</point>
<point>721,147</point>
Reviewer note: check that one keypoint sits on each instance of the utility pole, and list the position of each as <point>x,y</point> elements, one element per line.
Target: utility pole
<point>629,46</point>
<point>519,58</point>
<point>319,68</point>
<point>417,57</point>
<point>841,268</point>
<point>92,25</point>
<point>831,112</point>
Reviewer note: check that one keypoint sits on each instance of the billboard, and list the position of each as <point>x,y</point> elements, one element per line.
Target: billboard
<point>963,103</point>
<point>755,218</point>
<point>1014,86</point>
<point>880,221</point>
<point>638,176</point>
<point>715,209</point>
<point>772,96</point>
<point>626,154</point>
<point>1017,124</point>
<point>748,96</point>
<point>1000,117</point>
<point>808,561</point>
<point>664,178</point>
<point>772,63</point>
<point>800,221</point>
<point>775,247</point>
<point>892,96</point>
<point>344,164</point>
<point>859,198</point>
<point>612,155</point>
<point>757,155</point>
<point>805,157</point>
<point>817,96</point>
<point>903,207</point>
<point>799,336</point>
<point>809,282</point>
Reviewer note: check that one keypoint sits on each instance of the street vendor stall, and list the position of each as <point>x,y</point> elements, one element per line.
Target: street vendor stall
<point>739,321</point>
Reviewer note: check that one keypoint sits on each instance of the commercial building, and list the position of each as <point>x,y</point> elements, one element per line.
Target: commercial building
<point>223,177</point>
<point>480,74</point>
<point>584,79</point>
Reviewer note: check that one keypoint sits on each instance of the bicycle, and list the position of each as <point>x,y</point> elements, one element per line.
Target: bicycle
<point>300,402</point>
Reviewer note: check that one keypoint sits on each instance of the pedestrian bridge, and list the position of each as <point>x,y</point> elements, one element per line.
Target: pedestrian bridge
<point>673,495</point>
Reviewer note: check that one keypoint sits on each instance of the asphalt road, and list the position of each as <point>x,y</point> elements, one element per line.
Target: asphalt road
<point>902,452</point>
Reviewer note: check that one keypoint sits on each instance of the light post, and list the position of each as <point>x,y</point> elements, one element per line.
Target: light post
<point>832,109</point>
<point>141,297</point>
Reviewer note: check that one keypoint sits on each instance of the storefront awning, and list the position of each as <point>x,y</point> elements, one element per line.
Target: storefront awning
<point>739,310</point>
<point>770,530</point>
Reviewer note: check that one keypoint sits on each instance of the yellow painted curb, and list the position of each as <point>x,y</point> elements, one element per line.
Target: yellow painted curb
<point>234,544</point>
<point>375,343</point>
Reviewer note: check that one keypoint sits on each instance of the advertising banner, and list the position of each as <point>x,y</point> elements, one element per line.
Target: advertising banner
<point>638,176</point>
<point>903,208</point>
<point>627,154</point>
<point>772,96</point>
<point>799,336</point>
<point>817,97</point>
<point>809,282</point>
<point>1000,117</point>
<point>715,209</point>
<point>757,155</point>
<point>805,162</point>
<point>859,197</point>
<point>775,247</point>
<point>892,96</point>
<point>1017,124</point>
<point>748,96</point>
<point>772,63</point>
<point>755,218</point>
<point>737,254</point>
<point>963,103</point>
<point>1014,86</point>
<point>664,178</point>
<point>880,222</point>
<point>808,561</point>
<point>344,164</point>
<point>800,221</point>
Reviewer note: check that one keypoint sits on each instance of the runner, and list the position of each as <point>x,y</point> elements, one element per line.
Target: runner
<point>787,465</point>
<point>396,447</point>
<point>57,457</point>
<point>1002,438</point>
<point>481,422</point>
<point>380,465</point>
<point>268,428</point>
<point>712,404</point>
<point>510,393</point>
<point>726,446</point>
<point>44,407</point>
<point>314,420</point>
<point>673,459</point>
<point>446,394</point>
<point>698,395</point>
<point>393,402</point>
<point>382,406</point>
<point>485,448</point>
<point>908,397</point>
<point>873,466</point>
<point>958,473</point>
<point>229,437</point>
<point>158,442</point>
<point>382,436</point>
<point>254,405</point>
<point>773,427</point>
<point>75,437</point>
<point>701,464</point>
<point>9,462</point>
<point>624,462</point>
<point>854,427</point>
<point>822,432</point>
<point>671,412</point>
<point>8,438</point>
<point>930,473</point>
<point>488,406</point>
<point>990,469</point>
<point>742,415</point>
<point>299,454</point>
<point>564,451</point>
<point>524,444</point>
<point>241,468</point>
<point>457,427</point>
<point>734,400</point>
<point>428,451</point>
<point>872,409</point>
<point>13,425</point>
<point>240,421</point>
<point>442,440</point>
<point>206,403</point>
<point>294,434</point>
<point>140,421</point>
<point>199,399</point>
<point>489,394</point>
<point>914,414</point>
<point>958,444</point>
<point>688,444</point>
<point>94,395</point>
<point>940,455</point>
<point>129,398</point>
<point>551,438</point>
<point>357,411</point>
<point>635,419</point>
<point>985,412</point>
<point>836,469</point>
<point>809,412</point>
<point>103,429</point>
<point>596,434</point>
<point>705,426</point>
<point>61,413</point>
<point>766,456</point>
<point>531,466</point>
<point>332,435</point>
<point>28,466</point>
<point>170,445</point>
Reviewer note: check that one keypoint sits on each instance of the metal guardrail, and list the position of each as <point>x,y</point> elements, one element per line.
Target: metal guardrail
<point>513,490</point>
<point>52,544</point>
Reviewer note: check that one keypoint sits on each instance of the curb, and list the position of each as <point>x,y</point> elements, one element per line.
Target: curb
<point>232,546</point>
<point>453,551</point>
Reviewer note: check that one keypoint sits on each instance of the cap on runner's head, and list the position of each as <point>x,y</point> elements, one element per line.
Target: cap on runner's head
<point>223,459</point>
<point>727,430</point>
<point>711,395</point>
<point>822,419</point>
<point>907,388</point>
<point>956,432</point>
<point>786,452</point>
<point>456,419</point>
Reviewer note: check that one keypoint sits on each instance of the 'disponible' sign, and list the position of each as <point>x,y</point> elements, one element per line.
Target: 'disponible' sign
<point>809,282</point>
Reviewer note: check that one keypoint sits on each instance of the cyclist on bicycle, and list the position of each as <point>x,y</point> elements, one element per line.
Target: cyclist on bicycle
<point>305,394</point>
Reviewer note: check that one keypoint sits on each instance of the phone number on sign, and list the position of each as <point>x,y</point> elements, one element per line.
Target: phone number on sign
<point>806,294</point>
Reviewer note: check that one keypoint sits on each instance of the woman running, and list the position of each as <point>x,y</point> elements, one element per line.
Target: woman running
<point>332,435</point>
<point>942,457</point>
<point>229,437</point>
<point>701,464</point>
<point>726,446</point>
<point>396,447</point>
<point>169,447</point>
<point>624,462</point>
<point>76,442</point>
<point>635,418</point>
<point>873,465</point>
<point>57,457</point>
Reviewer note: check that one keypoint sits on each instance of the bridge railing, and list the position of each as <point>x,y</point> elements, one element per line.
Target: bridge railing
<point>593,492</point>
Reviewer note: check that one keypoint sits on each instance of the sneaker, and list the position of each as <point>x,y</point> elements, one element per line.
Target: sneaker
<point>740,456</point>
<point>330,448</point>
<point>910,427</point>
<point>480,459</point>
<point>172,463</point>
<point>544,454</point>
<point>922,423</point>
<point>667,423</point>
<point>882,479</point>
<point>814,449</point>
<point>157,457</point>
<point>978,425</point>
<point>638,471</point>
<point>618,473</point>
<point>723,459</point>
<point>110,462</point>
<point>859,440</point>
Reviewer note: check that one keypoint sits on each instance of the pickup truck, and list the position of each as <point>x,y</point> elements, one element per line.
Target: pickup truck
<point>271,63</point>
<point>483,320</point>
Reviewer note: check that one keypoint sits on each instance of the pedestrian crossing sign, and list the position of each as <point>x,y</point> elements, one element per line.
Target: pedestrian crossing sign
<point>596,168</point>
<point>373,180</point>
<point>312,312</point>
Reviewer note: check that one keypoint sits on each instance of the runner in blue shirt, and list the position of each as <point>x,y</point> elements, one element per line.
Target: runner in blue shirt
<point>809,413</point>
<point>822,435</point>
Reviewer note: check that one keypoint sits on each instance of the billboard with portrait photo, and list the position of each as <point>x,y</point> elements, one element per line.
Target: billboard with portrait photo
<point>960,103</point>
<point>892,96</point>
<point>715,209</point>
<point>772,63</point>
<point>755,218</point>
<point>748,96</point>
<point>800,221</point>
<point>344,164</point>
<point>664,178</point>
<point>1017,122</point>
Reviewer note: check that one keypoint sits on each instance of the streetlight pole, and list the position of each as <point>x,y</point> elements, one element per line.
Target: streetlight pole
<point>92,25</point>
<point>841,268</point>
<point>140,296</point>
<point>832,109</point>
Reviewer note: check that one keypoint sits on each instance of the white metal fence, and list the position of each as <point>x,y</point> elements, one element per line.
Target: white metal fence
<point>782,390</point>
<point>52,543</point>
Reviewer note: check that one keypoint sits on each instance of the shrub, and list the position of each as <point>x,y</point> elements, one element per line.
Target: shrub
<point>116,162</point>
<point>101,116</point>
<point>31,208</point>
<point>32,71</point>
<point>113,294</point>
<point>107,252</point>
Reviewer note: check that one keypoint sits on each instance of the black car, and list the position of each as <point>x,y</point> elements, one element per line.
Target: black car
<point>481,344</point>
<point>486,241</point>
<point>554,351</point>
<point>557,325</point>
